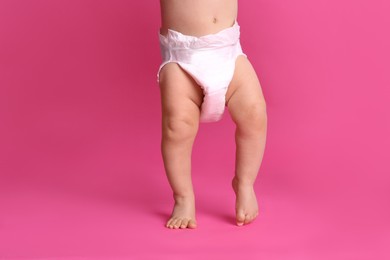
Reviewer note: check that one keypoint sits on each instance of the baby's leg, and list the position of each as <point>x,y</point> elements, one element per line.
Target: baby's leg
<point>247,108</point>
<point>181,99</point>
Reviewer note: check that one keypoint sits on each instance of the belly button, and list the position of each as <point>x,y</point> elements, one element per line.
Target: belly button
<point>215,20</point>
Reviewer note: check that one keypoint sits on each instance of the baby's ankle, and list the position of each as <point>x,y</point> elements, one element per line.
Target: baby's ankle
<point>183,197</point>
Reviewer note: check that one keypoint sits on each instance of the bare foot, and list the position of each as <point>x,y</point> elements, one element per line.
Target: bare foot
<point>246,202</point>
<point>183,214</point>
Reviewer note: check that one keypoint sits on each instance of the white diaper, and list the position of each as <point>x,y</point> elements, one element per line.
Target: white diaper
<point>209,59</point>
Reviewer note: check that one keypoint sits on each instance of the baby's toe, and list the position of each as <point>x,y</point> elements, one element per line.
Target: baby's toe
<point>177,223</point>
<point>248,219</point>
<point>192,223</point>
<point>169,223</point>
<point>240,218</point>
<point>184,223</point>
<point>173,222</point>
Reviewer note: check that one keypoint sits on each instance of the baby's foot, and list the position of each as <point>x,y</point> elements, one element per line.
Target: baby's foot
<point>183,214</point>
<point>246,202</point>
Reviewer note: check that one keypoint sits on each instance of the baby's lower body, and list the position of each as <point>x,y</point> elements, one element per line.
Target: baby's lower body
<point>210,60</point>
<point>198,78</point>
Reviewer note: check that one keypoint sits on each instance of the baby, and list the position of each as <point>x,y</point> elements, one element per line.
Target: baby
<point>205,70</point>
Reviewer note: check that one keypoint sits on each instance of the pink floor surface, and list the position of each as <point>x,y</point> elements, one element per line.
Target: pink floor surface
<point>42,223</point>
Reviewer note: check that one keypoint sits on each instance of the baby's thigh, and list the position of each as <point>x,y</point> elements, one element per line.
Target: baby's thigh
<point>244,96</point>
<point>180,95</point>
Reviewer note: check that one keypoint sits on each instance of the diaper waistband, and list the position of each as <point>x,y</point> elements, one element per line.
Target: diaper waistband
<point>177,40</point>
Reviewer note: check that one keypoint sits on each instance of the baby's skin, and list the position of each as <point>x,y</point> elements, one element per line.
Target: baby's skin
<point>181,99</point>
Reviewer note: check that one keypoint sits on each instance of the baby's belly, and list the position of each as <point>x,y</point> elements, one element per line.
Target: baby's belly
<point>197,17</point>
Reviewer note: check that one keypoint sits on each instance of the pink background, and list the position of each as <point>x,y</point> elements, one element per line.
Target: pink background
<point>81,175</point>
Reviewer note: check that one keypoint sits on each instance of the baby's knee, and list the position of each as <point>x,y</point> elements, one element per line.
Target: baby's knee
<point>253,119</point>
<point>179,128</point>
